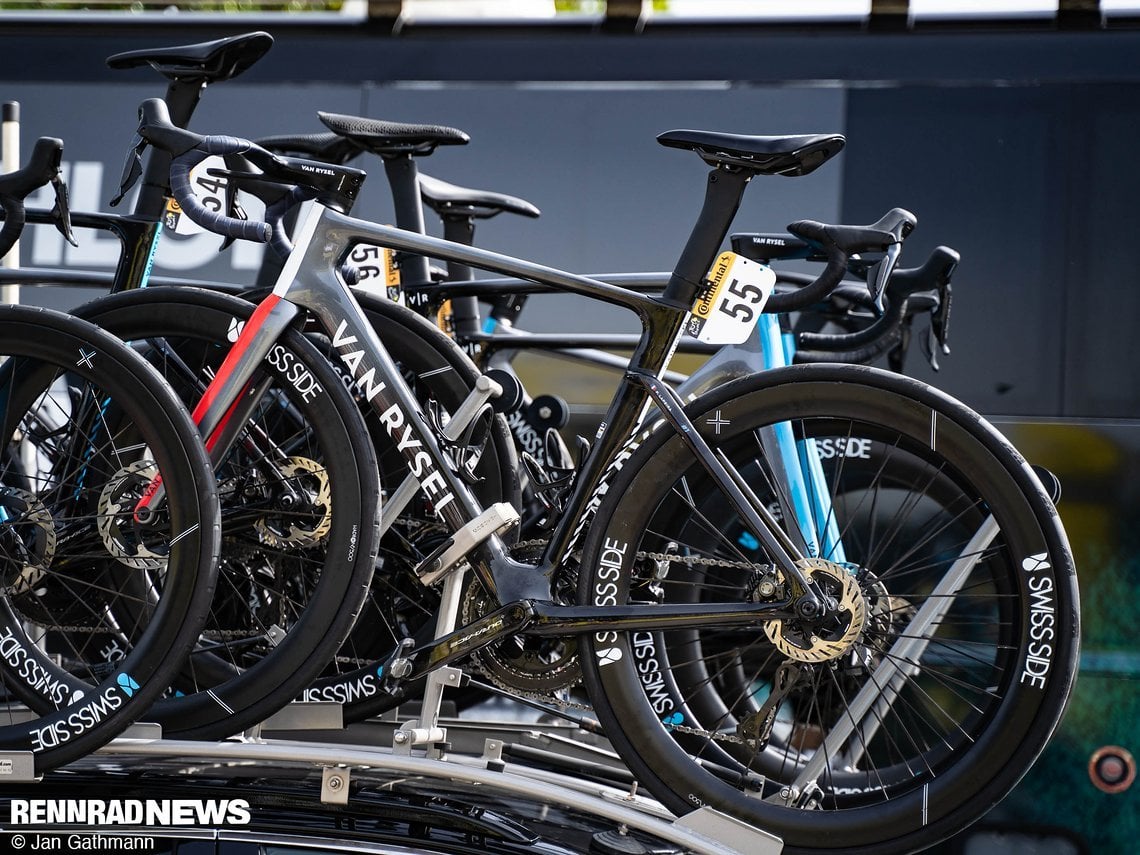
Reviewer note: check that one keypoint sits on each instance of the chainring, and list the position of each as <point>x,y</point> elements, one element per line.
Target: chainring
<point>518,663</point>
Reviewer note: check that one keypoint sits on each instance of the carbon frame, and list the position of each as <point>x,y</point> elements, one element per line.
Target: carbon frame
<point>310,280</point>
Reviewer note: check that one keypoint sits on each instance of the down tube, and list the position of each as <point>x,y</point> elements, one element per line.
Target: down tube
<point>378,380</point>
<point>804,482</point>
<point>810,464</point>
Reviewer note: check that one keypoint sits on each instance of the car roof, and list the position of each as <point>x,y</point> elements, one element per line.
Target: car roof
<point>386,812</point>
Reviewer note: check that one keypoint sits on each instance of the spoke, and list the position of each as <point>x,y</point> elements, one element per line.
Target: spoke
<point>889,676</point>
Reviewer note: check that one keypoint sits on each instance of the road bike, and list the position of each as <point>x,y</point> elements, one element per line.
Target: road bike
<point>926,670</point>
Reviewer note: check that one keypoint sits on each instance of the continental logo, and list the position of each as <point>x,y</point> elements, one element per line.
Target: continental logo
<point>716,280</point>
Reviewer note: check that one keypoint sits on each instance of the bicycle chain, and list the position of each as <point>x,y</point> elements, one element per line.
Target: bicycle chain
<point>563,704</point>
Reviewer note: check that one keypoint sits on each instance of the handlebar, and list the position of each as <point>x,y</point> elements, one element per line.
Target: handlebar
<point>336,186</point>
<point>930,280</point>
<point>834,244</point>
<point>43,167</point>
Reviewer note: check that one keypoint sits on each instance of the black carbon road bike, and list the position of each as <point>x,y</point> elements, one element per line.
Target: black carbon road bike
<point>873,704</point>
<point>280,511</point>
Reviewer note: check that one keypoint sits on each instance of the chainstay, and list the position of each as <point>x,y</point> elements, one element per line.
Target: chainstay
<point>568,705</point>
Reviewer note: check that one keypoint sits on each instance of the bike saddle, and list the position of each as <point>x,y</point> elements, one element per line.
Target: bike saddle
<point>210,62</point>
<point>389,139</point>
<point>780,155</point>
<point>444,198</point>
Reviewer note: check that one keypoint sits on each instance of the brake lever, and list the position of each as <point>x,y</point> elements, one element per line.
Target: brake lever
<point>132,169</point>
<point>234,209</point>
<point>940,318</point>
<point>880,274</point>
<point>61,210</point>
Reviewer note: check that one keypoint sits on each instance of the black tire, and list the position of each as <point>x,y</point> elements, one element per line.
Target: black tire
<point>992,678</point>
<point>306,565</point>
<point>86,426</point>
<point>399,605</point>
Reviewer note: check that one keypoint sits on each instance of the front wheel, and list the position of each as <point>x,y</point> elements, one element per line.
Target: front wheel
<point>916,705</point>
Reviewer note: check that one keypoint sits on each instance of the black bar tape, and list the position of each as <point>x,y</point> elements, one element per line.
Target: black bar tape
<point>275,215</point>
<point>854,356</point>
<point>883,325</point>
<point>183,191</point>
<point>825,283</point>
<point>13,223</point>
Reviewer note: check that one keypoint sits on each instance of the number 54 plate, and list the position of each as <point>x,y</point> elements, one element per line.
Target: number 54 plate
<point>728,310</point>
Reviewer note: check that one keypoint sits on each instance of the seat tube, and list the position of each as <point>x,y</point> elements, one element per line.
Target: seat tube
<point>460,228</point>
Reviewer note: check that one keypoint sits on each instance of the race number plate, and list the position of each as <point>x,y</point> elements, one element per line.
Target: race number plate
<point>738,290</point>
<point>211,192</point>
<point>376,270</point>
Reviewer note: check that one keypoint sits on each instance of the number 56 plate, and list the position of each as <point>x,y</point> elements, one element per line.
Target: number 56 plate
<point>727,311</point>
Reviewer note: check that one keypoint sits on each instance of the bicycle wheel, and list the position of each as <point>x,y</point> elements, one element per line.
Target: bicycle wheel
<point>299,495</point>
<point>893,725</point>
<point>87,427</point>
<point>399,605</point>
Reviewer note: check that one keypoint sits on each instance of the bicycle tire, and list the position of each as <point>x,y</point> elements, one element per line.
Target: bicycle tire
<point>94,424</point>
<point>990,682</point>
<point>306,567</point>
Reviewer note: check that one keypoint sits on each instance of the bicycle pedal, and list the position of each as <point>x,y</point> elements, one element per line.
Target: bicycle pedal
<point>497,518</point>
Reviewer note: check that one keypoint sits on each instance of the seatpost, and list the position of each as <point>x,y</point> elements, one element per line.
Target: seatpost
<point>460,228</point>
<point>401,171</point>
<point>723,193</point>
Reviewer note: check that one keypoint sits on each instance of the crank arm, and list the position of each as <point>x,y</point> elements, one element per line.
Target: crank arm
<point>531,617</point>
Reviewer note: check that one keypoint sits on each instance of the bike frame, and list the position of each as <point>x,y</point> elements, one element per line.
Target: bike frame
<point>310,280</point>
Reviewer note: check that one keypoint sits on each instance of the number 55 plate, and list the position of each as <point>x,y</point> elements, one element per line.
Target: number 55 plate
<point>727,312</point>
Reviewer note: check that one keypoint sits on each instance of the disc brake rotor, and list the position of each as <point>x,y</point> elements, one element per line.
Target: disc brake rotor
<point>28,541</point>
<point>116,522</point>
<point>820,641</point>
<point>311,480</point>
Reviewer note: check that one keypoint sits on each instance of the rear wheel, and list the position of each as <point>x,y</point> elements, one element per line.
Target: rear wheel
<point>909,712</point>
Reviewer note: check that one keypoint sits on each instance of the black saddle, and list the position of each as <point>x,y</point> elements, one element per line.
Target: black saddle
<point>448,199</point>
<point>209,62</point>
<point>389,139</point>
<point>782,155</point>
